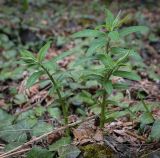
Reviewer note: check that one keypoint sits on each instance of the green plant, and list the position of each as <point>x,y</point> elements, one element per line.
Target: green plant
<point>146,117</point>
<point>49,68</point>
<point>108,56</point>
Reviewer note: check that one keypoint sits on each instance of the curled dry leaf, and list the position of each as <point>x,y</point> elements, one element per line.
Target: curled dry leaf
<point>87,133</point>
<point>54,137</point>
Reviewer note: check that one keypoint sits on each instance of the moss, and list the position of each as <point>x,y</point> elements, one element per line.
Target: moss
<point>97,151</point>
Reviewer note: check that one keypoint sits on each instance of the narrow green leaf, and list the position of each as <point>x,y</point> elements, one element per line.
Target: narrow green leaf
<point>120,86</point>
<point>111,102</point>
<point>106,60</point>
<point>116,20</point>
<point>28,60</point>
<point>26,54</point>
<point>83,60</point>
<point>96,44</point>
<point>62,56</point>
<point>124,20</point>
<point>118,50</point>
<point>33,78</point>
<point>88,33</point>
<point>132,29</point>
<point>27,57</point>
<point>96,77</point>
<point>114,35</point>
<point>122,59</point>
<point>126,74</point>
<point>109,19</point>
<point>43,51</point>
<point>108,86</point>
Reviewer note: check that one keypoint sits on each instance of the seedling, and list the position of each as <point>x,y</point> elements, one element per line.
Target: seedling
<point>113,59</point>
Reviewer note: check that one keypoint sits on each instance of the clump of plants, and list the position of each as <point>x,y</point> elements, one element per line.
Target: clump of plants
<point>107,56</point>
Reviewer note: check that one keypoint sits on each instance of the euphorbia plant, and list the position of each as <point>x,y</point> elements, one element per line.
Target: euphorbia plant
<point>111,57</point>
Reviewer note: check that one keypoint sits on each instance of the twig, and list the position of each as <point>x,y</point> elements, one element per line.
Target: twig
<point>30,107</point>
<point>135,135</point>
<point>145,155</point>
<point>16,152</point>
<point>5,155</point>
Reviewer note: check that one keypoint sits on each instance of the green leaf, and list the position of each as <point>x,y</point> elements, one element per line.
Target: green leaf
<point>86,97</point>
<point>128,75</point>
<point>118,50</point>
<point>68,151</point>
<point>38,152</point>
<point>120,86</point>
<point>155,132</point>
<point>93,76</point>
<point>39,110</point>
<point>88,33</point>
<point>62,56</point>
<point>26,54</point>
<point>109,19</point>
<point>20,99</point>
<point>43,51</point>
<point>27,57</point>
<point>60,143</point>
<point>33,78</point>
<point>116,20</point>
<point>12,145</point>
<point>132,29</point>
<point>122,59</point>
<point>106,60</point>
<point>124,20</point>
<point>114,35</point>
<point>92,72</point>
<point>116,114</point>
<point>97,43</point>
<point>54,112</point>
<point>108,86</point>
<point>83,60</point>
<point>41,128</point>
<point>13,133</point>
<point>49,65</point>
<point>146,118</point>
<point>112,102</point>
<point>5,118</point>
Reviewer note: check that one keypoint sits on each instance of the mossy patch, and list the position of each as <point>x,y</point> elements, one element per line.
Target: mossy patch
<point>97,151</point>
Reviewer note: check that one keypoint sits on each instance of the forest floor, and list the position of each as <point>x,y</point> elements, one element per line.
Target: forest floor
<point>30,119</point>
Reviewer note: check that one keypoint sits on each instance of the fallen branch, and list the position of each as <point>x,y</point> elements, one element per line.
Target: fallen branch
<point>7,154</point>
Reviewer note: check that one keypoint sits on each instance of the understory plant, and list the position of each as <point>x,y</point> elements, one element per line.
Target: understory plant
<point>51,69</point>
<point>108,56</point>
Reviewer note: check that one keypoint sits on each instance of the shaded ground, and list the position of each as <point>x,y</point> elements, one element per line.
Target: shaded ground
<point>28,113</point>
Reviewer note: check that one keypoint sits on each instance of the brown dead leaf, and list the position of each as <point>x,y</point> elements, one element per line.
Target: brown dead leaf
<point>33,90</point>
<point>2,102</point>
<point>87,132</point>
<point>54,137</point>
<point>98,135</point>
<point>72,118</point>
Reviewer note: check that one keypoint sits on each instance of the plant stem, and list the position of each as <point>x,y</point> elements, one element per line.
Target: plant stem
<point>103,105</point>
<point>146,108</point>
<point>107,46</point>
<point>62,102</point>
